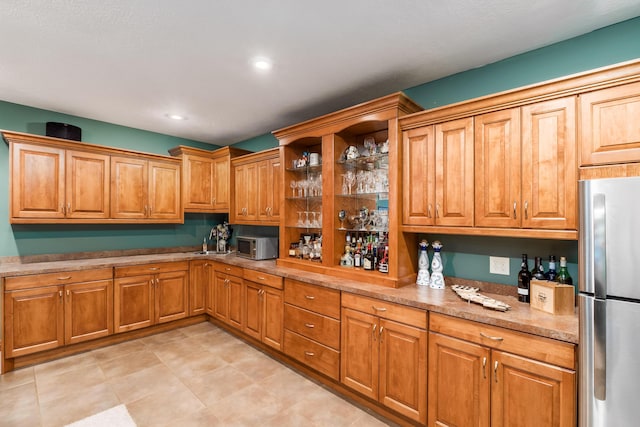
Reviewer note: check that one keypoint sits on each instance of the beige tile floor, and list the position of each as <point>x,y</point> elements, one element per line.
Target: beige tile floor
<point>194,376</point>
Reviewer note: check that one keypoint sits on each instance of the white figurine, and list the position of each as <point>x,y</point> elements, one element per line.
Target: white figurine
<point>437,278</point>
<point>423,265</point>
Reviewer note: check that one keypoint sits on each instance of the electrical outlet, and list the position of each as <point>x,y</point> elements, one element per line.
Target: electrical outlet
<point>499,265</point>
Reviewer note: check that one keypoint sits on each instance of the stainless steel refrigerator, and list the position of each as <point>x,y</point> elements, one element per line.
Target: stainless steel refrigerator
<point>609,302</point>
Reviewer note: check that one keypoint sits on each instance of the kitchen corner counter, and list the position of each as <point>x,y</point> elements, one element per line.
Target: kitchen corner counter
<point>519,318</point>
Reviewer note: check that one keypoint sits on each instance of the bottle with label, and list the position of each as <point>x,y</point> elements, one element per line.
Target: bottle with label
<point>524,277</point>
<point>368,262</point>
<point>357,255</point>
<point>538,270</point>
<point>563,274</point>
<point>383,266</point>
<point>551,273</point>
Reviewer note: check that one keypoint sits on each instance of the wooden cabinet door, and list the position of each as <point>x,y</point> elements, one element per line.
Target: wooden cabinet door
<point>418,177</point>
<point>240,193</point>
<point>609,125</point>
<point>221,184</point>
<point>273,323</point>
<point>199,274</point>
<point>221,297</point>
<point>133,303</point>
<point>88,311</point>
<point>359,352</point>
<point>236,302</point>
<point>199,183</point>
<point>253,310</point>
<point>37,189</point>
<point>459,382</point>
<point>269,190</point>
<point>549,167</point>
<point>525,392</point>
<point>171,291</point>
<point>497,169</point>
<point>33,320</point>
<point>210,293</point>
<point>454,177</point>
<point>165,199</point>
<point>129,186</point>
<point>403,369</point>
<point>87,185</point>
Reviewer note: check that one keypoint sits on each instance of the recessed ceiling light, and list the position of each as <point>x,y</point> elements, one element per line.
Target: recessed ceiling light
<point>176,117</point>
<point>262,63</point>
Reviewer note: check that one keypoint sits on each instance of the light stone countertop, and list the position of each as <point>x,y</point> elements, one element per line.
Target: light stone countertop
<point>520,317</point>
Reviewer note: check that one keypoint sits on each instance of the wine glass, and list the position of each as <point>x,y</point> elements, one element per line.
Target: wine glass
<point>342,215</point>
<point>293,184</point>
<point>307,222</point>
<point>300,222</point>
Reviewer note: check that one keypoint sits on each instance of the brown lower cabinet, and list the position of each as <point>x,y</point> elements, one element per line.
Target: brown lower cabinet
<point>225,298</point>
<point>46,311</point>
<point>149,294</point>
<point>487,376</point>
<point>384,354</point>
<point>200,275</point>
<point>263,300</point>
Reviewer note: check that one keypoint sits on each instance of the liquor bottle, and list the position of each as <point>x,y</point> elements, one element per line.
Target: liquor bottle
<point>357,256</point>
<point>538,270</point>
<point>524,277</point>
<point>563,274</point>
<point>551,273</point>
<point>383,267</point>
<point>368,262</point>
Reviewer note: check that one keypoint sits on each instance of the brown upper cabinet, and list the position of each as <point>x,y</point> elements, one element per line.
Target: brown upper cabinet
<point>51,183</point>
<point>145,189</point>
<point>438,174</point>
<point>206,179</point>
<point>526,172</point>
<point>257,182</point>
<point>54,180</point>
<point>610,125</point>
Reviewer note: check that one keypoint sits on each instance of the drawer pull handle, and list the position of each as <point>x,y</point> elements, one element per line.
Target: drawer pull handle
<point>60,294</point>
<point>378,308</point>
<point>154,268</point>
<point>64,278</point>
<point>310,297</point>
<point>310,325</point>
<point>484,367</point>
<point>482,334</point>
<point>309,353</point>
<point>373,331</point>
<point>227,269</point>
<point>495,371</point>
<point>262,278</point>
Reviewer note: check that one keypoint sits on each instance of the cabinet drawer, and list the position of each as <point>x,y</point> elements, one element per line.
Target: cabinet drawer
<point>319,328</point>
<point>323,359</point>
<point>53,279</point>
<point>539,348</point>
<point>232,270</point>
<point>315,298</point>
<point>155,268</point>
<point>399,313</point>
<point>263,278</point>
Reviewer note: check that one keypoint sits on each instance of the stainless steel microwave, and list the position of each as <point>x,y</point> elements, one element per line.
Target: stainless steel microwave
<point>257,248</point>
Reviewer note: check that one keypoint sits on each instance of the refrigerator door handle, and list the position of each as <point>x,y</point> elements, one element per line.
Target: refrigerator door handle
<point>600,349</point>
<point>599,246</point>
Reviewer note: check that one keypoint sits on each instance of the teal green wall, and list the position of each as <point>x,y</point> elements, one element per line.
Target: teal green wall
<point>258,143</point>
<point>46,239</point>
<point>468,256</point>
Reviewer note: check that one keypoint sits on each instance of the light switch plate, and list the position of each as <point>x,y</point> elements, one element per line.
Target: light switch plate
<point>499,265</point>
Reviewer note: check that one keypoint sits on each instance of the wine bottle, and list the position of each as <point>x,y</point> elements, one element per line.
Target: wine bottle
<point>563,274</point>
<point>538,270</point>
<point>368,262</point>
<point>551,273</point>
<point>524,277</point>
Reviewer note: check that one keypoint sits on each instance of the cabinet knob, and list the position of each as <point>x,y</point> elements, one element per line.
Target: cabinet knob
<point>60,294</point>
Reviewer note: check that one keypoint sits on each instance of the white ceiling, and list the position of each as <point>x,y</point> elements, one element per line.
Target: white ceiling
<point>131,62</point>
